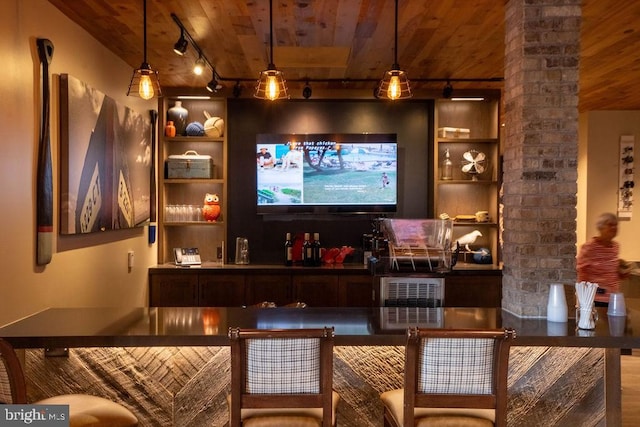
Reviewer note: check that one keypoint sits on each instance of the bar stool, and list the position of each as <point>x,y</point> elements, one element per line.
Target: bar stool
<point>84,410</point>
<point>452,378</point>
<point>282,377</point>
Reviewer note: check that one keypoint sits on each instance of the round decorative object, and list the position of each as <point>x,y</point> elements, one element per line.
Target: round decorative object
<point>178,115</point>
<point>482,256</point>
<point>195,129</point>
<point>473,163</point>
<point>213,126</point>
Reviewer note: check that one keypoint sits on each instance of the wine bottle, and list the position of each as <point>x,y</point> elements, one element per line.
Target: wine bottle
<point>447,166</point>
<point>288,251</point>
<point>315,246</point>
<point>307,251</point>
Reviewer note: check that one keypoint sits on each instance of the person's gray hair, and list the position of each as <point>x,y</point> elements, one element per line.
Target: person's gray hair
<point>606,218</point>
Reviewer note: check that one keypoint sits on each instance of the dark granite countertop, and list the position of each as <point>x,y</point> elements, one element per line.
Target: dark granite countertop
<point>208,326</point>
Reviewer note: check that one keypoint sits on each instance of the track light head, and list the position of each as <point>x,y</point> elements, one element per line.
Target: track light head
<point>306,91</point>
<point>180,48</point>
<point>214,86</point>
<point>237,90</point>
<point>447,91</point>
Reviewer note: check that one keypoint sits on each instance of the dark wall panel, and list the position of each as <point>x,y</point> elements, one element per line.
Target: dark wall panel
<point>412,121</point>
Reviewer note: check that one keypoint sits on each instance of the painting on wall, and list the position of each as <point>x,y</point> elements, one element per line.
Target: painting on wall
<point>625,177</point>
<point>105,161</point>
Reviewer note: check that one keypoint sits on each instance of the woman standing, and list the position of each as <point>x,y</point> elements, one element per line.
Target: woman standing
<point>598,259</point>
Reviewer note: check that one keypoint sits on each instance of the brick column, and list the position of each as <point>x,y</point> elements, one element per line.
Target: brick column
<point>542,48</point>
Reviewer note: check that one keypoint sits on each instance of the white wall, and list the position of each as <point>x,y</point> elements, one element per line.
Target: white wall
<point>598,176</point>
<point>86,271</point>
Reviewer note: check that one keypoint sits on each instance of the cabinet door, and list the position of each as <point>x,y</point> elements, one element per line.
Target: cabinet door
<point>173,290</point>
<point>316,290</point>
<point>473,291</point>
<point>269,287</point>
<point>356,291</point>
<point>221,290</point>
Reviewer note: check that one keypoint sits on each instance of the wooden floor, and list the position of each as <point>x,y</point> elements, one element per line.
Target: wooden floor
<point>631,390</point>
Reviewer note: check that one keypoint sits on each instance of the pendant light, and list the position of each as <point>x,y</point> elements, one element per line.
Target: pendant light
<point>144,81</point>
<point>271,84</point>
<point>395,84</point>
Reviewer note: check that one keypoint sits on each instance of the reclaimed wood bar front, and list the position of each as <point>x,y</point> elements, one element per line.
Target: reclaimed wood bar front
<point>170,364</point>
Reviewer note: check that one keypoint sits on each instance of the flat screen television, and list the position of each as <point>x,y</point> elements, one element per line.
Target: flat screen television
<point>326,173</point>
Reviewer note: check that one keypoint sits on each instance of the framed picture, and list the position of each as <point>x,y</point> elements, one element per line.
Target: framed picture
<point>105,161</point>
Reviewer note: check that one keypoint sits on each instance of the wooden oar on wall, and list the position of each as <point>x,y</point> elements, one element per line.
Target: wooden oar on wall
<point>152,192</point>
<point>44,190</point>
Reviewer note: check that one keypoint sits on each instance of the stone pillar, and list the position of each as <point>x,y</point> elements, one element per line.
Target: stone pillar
<point>542,52</point>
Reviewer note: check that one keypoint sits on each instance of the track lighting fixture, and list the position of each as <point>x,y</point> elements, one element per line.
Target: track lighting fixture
<point>144,81</point>
<point>180,47</point>
<point>237,90</point>
<point>306,91</point>
<point>271,84</point>
<point>198,67</point>
<point>214,86</point>
<point>395,84</point>
<point>448,90</point>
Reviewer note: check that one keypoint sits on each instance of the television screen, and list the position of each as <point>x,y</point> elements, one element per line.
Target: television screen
<point>326,173</point>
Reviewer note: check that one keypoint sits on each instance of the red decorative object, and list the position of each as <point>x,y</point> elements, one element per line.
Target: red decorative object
<point>211,208</point>
<point>170,129</point>
<point>337,255</point>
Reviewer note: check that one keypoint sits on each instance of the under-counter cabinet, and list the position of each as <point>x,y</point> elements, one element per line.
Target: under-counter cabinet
<point>174,290</point>
<point>218,290</point>
<point>355,291</point>
<point>181,191</point>
<point>473,291</point>
<point>316,290</point>
<point>468,174</point>
<point>275,288</point>
<point>219,287</point>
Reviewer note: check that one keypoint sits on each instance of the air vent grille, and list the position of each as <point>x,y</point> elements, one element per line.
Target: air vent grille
<point>412,291</point>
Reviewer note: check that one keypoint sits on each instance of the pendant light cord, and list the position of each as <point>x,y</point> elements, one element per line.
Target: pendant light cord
<point>271,64</point>
<point>395,51</point>
<point>144,29</point>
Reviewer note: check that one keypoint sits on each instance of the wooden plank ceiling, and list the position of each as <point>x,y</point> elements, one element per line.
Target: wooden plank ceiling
<point>345,41</point>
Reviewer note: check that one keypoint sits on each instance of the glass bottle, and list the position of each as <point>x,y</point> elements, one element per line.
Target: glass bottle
<point>447,166</point>
<point>307,251</point>
<point>315,246</point>
<point>288,251</point>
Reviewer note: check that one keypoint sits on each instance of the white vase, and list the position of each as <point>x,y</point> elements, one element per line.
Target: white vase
<point>557,304</point>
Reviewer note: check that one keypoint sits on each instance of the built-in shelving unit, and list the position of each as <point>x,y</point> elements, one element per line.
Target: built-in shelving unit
<point>473,127</point>
<point>180,201</point>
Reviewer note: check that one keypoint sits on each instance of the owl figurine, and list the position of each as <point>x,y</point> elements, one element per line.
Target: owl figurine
<point>211,208</point>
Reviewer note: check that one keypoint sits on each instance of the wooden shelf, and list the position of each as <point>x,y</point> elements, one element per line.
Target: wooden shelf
<point>206,236</point>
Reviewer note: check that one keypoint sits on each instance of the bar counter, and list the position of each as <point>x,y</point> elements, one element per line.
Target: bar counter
<point>548,383</point>
<point>379,326</point>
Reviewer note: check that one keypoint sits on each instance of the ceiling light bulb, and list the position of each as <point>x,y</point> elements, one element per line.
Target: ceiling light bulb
<point>273,91</point>
<point>145,88</point>
<point>394,87</point>
<point>198,68</point>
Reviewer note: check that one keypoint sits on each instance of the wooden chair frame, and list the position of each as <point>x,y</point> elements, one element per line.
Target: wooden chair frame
<point>13,372</point>
<point>240,399</point>
<point>497,399</point>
